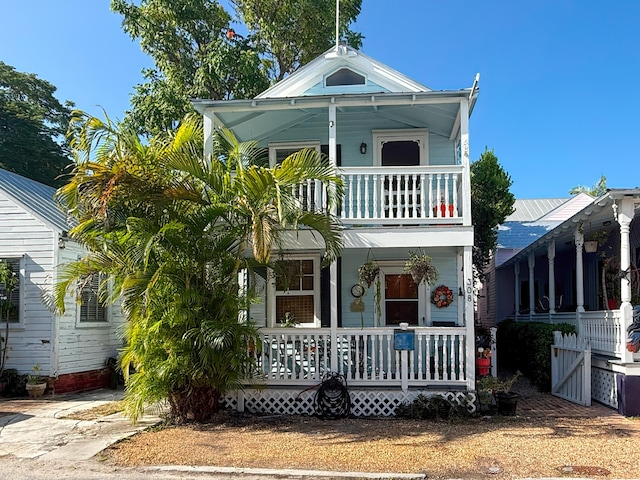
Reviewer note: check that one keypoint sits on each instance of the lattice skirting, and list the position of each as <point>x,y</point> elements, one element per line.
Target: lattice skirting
<point>364,403</point>
<point>603,386</point>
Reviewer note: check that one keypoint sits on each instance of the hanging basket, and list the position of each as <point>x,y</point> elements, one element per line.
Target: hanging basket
<point>591,246</point>
<point>367,273</point>
<point>421,269</point>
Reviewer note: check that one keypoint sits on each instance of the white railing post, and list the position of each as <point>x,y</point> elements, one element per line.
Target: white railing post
<point>494,352</point>
<point>404,369</point>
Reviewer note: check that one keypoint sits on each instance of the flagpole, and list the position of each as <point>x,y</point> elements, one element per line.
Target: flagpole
<point>337,23</point>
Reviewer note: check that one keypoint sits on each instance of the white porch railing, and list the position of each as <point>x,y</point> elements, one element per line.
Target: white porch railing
<point>364,356</point>
<point>378,195</point>
<point>603,328</point>
<point>604,331</point>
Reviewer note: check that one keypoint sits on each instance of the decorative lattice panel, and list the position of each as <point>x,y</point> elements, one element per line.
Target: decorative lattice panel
<point>364,403</point>
<point>603,387</point>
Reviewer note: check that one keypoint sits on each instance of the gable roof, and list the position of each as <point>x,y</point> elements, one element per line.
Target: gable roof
<point>35,197</point>
<point>379,76</point>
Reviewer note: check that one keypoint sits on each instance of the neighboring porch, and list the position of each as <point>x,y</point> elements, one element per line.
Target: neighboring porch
<point>615,371</point>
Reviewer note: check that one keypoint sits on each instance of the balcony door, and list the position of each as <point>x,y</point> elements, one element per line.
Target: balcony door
<point>401,148</point>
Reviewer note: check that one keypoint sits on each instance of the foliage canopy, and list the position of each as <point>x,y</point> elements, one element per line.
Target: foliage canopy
<point>33,124</point>
<point>172,232</point>
<point>197,54</point>
<point>491,204</point>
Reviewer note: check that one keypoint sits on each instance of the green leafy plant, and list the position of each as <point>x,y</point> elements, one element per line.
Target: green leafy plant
<point>9,281</point>
<point>35,377</point>
<point>289,321</point>
<point>431,407</point>
<point>421,269</point>
<point>367,273</point>
<point>534,360</point>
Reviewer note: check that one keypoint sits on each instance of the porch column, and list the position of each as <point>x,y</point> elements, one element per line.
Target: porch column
<point>464,148</point>
<point>516,293</point>
<point>468,313</point>
<point>333,270</point>
<point>579,240</point>
<point>625,215</point>
<point>551,255</point>
<point>208,127</point>
<point>532,292</point>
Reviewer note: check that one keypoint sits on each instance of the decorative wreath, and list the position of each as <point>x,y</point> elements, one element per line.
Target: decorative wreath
<point>442,296</point>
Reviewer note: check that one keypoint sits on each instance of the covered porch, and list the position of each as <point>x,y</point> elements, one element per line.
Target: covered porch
<point>423,357</point>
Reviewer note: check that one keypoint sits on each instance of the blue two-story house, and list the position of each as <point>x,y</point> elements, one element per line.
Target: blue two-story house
<point>403,152</point>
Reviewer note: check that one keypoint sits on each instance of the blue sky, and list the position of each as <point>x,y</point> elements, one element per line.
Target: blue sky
<point>559,79</point>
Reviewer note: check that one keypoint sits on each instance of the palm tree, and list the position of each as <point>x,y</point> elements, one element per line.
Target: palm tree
<point>600,188</point>
<point>172,231</point>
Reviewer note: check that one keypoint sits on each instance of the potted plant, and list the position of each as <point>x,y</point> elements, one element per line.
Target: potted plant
<point>421,269</point>
<point>506,399</point>
<point>36,383</point>
<point>483,361</point>
<point>485,387</point>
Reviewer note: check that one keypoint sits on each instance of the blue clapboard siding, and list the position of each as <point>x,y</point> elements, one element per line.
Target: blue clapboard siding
<point>444,260</point>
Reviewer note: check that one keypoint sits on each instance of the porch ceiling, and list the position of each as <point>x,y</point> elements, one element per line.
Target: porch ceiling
<point>260,119</point>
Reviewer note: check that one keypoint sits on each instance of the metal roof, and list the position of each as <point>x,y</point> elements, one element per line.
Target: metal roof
<point>35,197</point>
<point>531,209</point>
<point>593,216</point>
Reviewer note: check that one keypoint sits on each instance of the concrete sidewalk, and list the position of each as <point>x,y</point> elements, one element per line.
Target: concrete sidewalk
<point>36,428</point>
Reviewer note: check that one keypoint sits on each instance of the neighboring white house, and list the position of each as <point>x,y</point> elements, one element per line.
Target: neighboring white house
<point>71,349</point>
<point>403,152</point>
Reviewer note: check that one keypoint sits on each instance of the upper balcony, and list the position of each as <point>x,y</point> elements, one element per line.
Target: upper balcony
<point>379,196</point>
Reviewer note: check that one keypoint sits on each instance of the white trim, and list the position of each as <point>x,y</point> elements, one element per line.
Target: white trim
<point>296,145</point>
<point>272,293</point>
<point>419,135</point>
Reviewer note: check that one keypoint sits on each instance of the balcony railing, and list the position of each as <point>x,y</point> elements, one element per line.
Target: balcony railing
<point>392,195</point>
<point>364,356</point>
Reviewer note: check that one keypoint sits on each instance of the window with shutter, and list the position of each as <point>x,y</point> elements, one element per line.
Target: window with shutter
<point>91,309</point>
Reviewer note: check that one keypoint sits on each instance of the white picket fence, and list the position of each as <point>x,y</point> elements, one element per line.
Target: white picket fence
<point>571,368</point>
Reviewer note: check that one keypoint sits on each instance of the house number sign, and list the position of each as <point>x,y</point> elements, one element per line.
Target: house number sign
<point>469,290</point>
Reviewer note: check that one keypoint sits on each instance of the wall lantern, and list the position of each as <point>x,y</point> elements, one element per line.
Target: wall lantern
<point>363,148</point>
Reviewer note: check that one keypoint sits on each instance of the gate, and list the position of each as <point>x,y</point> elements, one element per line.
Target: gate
<point>571,368</point>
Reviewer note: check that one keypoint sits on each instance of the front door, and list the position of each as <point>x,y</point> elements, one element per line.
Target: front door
<point>400,299</point>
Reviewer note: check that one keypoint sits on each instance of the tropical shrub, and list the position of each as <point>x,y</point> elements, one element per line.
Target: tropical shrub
<point>526,346</point>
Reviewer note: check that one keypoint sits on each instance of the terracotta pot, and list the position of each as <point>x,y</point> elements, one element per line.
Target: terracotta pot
<point>36,390</point>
